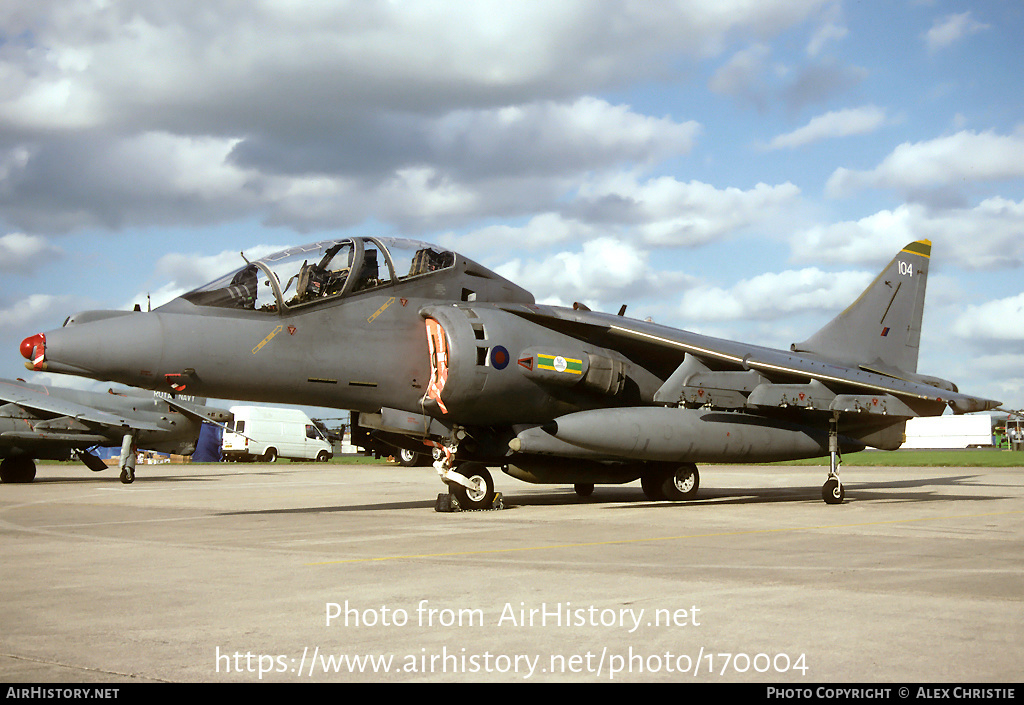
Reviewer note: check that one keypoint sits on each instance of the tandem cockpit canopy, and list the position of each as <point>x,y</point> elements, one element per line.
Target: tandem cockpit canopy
<point>329,269</point>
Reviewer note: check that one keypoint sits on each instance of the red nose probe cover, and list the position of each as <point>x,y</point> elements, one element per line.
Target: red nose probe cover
<point>33,349</point>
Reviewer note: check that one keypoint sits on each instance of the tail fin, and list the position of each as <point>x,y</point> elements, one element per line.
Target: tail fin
<point>882,328</point>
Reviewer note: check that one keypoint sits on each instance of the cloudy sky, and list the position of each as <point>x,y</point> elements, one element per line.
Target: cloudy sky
<point>736,167</point>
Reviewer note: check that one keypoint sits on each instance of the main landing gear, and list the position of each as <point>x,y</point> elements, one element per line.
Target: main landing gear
<point>832,491</point>
<point>18,468</point>
<point>674,484</point>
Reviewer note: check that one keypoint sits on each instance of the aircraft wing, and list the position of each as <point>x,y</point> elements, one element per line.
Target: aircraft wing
<point>82,439</point>
<point>71,416</point>
<point>217,417</point>
<point>691,362</point>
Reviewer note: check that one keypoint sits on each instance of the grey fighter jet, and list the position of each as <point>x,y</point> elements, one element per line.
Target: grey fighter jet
<point>54,423</point>
<point>429,349</point>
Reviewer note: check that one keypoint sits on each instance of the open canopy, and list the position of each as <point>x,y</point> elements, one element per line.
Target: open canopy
<point>329,269</point>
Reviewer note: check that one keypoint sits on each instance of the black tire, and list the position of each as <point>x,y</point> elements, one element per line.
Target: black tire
<point>323,456</point>
<point>682,483</point>
<point>833,491</point>
<point>409,458</point>
<point>584,489</point>
<point>480,498</point>
<point>269,456</point>
<point>652,484</point>
<point>20,469</point>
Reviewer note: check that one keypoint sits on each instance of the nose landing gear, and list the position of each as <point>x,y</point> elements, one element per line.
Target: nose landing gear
<point>470,485</point>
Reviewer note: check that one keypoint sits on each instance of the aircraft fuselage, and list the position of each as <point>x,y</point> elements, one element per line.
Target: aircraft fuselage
<point>430,346</point>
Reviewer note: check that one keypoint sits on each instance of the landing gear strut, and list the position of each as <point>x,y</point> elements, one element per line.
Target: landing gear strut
<point>832,491</point>
<point>127,460</point>
<point>470,484</point>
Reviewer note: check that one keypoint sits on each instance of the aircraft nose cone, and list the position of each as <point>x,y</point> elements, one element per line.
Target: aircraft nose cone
<point>33,348</point>
<point>119,346</point>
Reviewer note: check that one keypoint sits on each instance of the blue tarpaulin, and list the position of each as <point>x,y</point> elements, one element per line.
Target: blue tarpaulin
<point>208,446</point>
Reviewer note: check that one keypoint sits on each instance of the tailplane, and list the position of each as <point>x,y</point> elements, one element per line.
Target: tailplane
<point>882,328</point>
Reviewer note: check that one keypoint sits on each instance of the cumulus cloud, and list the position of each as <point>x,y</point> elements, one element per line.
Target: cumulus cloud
<point>986,236</point>
<point>950,29</point>
<point>543,230</point>
<point>999,320</point>
<point>100,63</point>
<point>966,156</point>
<point>1003,375</point>
<point>325,115</point>
<point>604,271</point>
<point>664,211</point>
<point>35,311</point>
<point>831,29</point>
<point>839,123</point>
<point>659,212</point>
<point>774,295</point>
<point>514,140</point>
<point>108,181</point>
<point>21,253</point>
<point>549,137</point>
<point>458,166</point>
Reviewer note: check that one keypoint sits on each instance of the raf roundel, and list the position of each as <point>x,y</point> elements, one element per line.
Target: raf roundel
<point>499,357</point>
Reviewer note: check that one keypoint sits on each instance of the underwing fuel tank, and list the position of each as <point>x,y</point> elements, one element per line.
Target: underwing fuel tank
<point>680,435</point>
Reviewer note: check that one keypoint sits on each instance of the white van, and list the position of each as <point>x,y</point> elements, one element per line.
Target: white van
<point>269,433</point>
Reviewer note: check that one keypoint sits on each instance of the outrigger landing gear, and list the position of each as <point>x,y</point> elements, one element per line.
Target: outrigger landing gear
<point>127,459</point>
<point>832,491</point>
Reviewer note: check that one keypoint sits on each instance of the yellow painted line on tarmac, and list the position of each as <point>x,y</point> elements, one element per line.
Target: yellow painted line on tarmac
<point>624,542</point>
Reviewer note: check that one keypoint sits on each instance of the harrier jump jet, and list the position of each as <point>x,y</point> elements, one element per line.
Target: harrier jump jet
<point>432,350</point>
<point>53,423</point>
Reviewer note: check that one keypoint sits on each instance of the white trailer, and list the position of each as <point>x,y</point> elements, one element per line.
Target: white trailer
<point>269,433</point>
<point>964,431</point>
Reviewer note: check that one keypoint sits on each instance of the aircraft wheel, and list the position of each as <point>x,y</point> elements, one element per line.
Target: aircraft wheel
<point>409,458</point>
<point>127,476</point>
<point>682,483</point>
<point>832,491</point>
<point>482,494</point>
<point>652,485</point>
<point>18,469</point>
<point>584,489</point>
<point>270,456</point>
